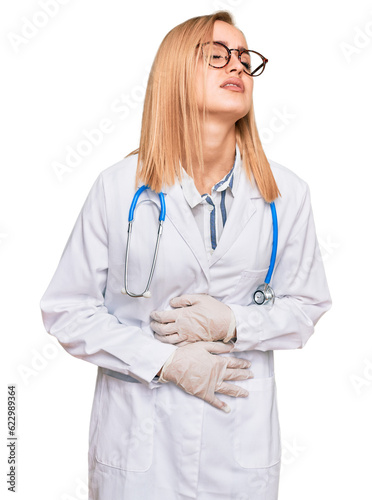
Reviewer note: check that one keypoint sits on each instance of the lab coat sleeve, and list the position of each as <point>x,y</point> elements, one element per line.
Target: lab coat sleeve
<point>301,290</point>
<point>73,306</point>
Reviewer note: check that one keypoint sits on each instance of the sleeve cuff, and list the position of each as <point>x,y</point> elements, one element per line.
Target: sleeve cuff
<point>248,327</point>
<point>232,328</point>
<point>150,360</point>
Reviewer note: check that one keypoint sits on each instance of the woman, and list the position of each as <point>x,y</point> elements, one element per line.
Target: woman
<point>171,360</point>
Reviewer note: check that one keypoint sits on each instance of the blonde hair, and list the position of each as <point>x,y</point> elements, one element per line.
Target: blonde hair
<point>171,128</point>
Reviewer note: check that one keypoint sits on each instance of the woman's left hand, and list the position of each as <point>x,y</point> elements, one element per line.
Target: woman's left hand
<point>195,318</point>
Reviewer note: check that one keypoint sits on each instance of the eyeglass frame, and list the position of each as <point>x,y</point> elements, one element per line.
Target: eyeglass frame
<point>240,52</point>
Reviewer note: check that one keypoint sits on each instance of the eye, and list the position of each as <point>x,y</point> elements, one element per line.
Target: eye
<point>246,61</point>
<point>247,66</point>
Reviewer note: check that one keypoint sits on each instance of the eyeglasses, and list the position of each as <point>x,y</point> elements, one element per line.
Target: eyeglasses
<point>218,56</point>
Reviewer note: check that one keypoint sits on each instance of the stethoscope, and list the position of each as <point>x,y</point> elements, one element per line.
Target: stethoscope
<point>264,293</point>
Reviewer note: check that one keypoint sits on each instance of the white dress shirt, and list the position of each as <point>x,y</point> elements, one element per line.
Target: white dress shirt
<point>211,210</point>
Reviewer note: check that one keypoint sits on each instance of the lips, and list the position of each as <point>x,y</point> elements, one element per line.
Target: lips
<point>233,84</point>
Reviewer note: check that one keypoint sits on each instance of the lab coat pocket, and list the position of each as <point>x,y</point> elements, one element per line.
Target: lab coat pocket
<point>257,432</point>
<point>247,285</point>
<point>125,427</point>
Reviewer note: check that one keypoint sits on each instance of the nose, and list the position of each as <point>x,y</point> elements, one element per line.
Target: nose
<point>234,63</point>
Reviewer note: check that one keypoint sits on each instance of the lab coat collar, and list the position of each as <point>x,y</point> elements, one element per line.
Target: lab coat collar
<point>180,215</point>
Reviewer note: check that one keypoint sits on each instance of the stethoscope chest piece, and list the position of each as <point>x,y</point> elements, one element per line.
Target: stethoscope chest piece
<point>263,295</point>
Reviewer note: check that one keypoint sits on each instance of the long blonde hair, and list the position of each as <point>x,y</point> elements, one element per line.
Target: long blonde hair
<point>171,128</point>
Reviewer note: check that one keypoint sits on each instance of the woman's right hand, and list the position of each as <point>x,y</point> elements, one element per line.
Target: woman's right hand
<point>198,371</point>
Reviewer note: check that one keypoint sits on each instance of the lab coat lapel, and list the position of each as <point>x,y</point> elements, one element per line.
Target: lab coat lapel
<point>178,212</point>
<point>242,210</point>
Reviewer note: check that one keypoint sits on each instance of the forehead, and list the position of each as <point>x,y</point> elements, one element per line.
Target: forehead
<point>228,34</point>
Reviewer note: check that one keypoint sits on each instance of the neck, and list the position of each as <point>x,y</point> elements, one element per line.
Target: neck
<point>218,143</point>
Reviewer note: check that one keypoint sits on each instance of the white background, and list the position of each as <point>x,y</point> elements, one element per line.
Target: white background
<point>65,71</point>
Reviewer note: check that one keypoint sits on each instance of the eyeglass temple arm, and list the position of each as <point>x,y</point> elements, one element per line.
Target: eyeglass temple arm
<point>260,66</point>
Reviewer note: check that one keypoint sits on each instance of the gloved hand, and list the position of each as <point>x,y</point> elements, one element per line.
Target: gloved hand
<point>197,371</point>
<point>196,317</point>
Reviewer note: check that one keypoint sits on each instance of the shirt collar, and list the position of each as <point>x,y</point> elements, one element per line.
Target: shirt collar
<point>192,195</point>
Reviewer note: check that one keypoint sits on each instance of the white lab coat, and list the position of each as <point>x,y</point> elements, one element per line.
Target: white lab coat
<point>152,441</point>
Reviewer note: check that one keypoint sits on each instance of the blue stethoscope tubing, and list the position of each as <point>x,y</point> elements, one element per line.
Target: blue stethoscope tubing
<point>133,205</point>
<point>146,293</point>
<point>275,243</point>
<point>264,293</point>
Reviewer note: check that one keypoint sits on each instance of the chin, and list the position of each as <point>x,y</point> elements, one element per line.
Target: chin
<point>234,109</point>
<point>233,114</point>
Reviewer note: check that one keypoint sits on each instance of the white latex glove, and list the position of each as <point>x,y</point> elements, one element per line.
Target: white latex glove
<point>197,371</point>
<point>196,317</point>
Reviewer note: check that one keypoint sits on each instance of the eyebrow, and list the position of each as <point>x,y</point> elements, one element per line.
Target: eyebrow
<point>225,43</point>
